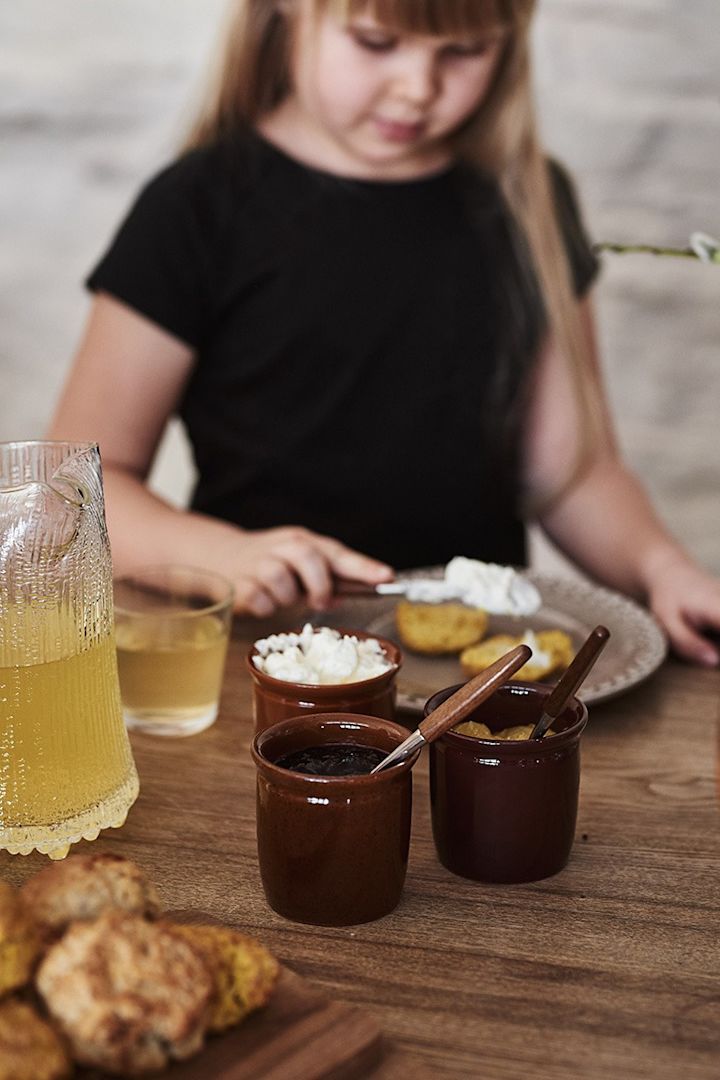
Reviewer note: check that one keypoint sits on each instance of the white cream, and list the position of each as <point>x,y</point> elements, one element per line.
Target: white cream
<point>499,590</point>
<point>320,656</point>
<point>544,659</point>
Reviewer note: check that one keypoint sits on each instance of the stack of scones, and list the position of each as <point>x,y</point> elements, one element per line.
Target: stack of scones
<point>92,974</point>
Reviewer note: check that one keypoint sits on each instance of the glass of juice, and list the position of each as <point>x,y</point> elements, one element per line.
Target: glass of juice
<point>172,625</point>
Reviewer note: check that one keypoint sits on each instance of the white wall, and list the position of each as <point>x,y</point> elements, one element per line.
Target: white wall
<point>92,99</point>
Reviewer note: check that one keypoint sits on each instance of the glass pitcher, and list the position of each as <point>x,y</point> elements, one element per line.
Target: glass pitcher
<point>66,769</point>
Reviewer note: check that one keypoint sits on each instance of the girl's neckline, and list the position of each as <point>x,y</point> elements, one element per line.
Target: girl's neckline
<point>416,183</point>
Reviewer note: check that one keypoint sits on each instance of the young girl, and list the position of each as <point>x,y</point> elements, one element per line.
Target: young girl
<point>365,290</point>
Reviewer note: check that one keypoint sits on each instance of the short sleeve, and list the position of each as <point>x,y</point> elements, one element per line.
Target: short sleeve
<point>584,264</point>
<point>157,261</point>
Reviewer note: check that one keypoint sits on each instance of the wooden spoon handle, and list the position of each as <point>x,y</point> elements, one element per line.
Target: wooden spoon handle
<point>463,701</point>
<point>584,659</point>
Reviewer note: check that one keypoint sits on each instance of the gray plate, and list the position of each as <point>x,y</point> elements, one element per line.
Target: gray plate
<point>636,648</point>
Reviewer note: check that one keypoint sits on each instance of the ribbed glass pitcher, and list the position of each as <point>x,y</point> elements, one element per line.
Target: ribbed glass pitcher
<point>66,768</point>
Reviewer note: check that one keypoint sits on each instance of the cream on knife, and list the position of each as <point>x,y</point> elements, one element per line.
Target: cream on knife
<point>499,590</point>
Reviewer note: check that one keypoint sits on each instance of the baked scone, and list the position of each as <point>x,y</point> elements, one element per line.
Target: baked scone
<point>560,644</point>
<point>129,995</point>
<point>478,730</point>
<point>30,1049</point>
<point>84,886</point>
<point>19,940</point>
<point>244,971</point>
<point>555,645</point>
<point>435,629</point>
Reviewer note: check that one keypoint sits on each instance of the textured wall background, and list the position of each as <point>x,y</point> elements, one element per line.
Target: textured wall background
<point>92,99</point>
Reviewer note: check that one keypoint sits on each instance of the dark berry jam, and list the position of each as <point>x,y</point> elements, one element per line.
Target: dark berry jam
<point>333,759</point>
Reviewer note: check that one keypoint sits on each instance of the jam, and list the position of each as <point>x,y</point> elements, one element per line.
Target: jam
<point>333,759</point>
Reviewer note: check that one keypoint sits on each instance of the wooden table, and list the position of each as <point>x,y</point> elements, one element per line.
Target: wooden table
<point>609,969</point>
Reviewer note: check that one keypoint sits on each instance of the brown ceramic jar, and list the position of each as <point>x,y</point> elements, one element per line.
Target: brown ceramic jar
<point>332,849</point>
<point>278,699</point>
<point>506,811</point>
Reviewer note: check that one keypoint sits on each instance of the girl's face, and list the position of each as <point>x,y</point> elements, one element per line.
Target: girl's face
<point>373,102</point>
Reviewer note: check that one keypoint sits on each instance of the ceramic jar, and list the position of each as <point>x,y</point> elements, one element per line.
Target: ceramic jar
<point>332,850</point>
<point>505,811</point>
<point>278,699</point>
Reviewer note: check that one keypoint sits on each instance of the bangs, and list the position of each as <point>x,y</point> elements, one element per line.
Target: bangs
<point>436,17</point>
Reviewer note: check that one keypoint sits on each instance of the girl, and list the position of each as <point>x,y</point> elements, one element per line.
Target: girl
<point>365,290</point>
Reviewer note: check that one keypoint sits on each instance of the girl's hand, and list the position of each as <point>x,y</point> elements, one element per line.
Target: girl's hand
<point>686,600</point>
<point>273,568</point>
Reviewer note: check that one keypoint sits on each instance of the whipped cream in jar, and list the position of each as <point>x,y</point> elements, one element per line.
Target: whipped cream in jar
<point>321,669</point>
<point>320,656</point>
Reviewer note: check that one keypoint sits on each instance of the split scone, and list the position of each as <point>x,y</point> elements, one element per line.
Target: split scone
<point>478,730</point>
<point>243,970</point>
<point>129,995</point>
<point>83,887</point>
<point>435,629</point>
<point>20,941</point>
<point>30,1049</point>
<point>552,651</point>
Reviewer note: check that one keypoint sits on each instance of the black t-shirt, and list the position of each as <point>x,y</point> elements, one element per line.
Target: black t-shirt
<point>361,346</point>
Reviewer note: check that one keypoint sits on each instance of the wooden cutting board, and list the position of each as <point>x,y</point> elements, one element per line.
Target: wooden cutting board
<point>300,1035</point>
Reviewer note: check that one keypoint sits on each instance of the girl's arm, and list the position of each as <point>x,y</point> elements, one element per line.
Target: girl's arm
<point>126,382</point>
<point>605,521</point>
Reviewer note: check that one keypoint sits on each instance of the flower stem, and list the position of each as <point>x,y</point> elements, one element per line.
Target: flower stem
<point>648,249</point>
<point>702,247</point>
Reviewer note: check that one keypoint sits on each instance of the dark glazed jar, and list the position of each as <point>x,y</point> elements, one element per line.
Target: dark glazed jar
<point>506,811</point>
<point>279,699</point>
<point>333,850</point>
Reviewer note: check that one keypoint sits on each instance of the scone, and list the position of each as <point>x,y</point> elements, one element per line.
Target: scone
<point>435,629</point>
<point>129,995</point>
<point>244,971</point>
<point>559,644</point>
<point>19,940</point>
<point>84,886</point>
<point>554,644</point>
<point>478,730</point>
<point>29,1047</point>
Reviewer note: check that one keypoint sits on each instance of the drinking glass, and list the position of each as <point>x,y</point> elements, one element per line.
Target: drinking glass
<point>172,625</point>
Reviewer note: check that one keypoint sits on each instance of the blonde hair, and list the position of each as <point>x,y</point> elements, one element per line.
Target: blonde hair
<point>502,138</point>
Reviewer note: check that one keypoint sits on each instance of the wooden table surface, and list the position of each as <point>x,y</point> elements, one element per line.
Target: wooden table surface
<point>609,969</point>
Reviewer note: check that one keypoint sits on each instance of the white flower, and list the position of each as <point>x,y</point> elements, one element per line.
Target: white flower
<point>706,249</point>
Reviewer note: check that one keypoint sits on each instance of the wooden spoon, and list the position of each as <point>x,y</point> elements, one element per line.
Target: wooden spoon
<point>459,705</point>
<point>576,674</point>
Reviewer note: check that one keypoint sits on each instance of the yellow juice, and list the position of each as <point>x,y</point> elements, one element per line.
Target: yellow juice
<point>66,770</point>
<point>170,666</point>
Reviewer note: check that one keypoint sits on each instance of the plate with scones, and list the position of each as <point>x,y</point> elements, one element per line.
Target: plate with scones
<point>448,642</point>
<point>97,981</point>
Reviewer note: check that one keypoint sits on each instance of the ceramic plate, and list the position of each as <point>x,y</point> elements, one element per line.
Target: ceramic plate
<point>636,648</point>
